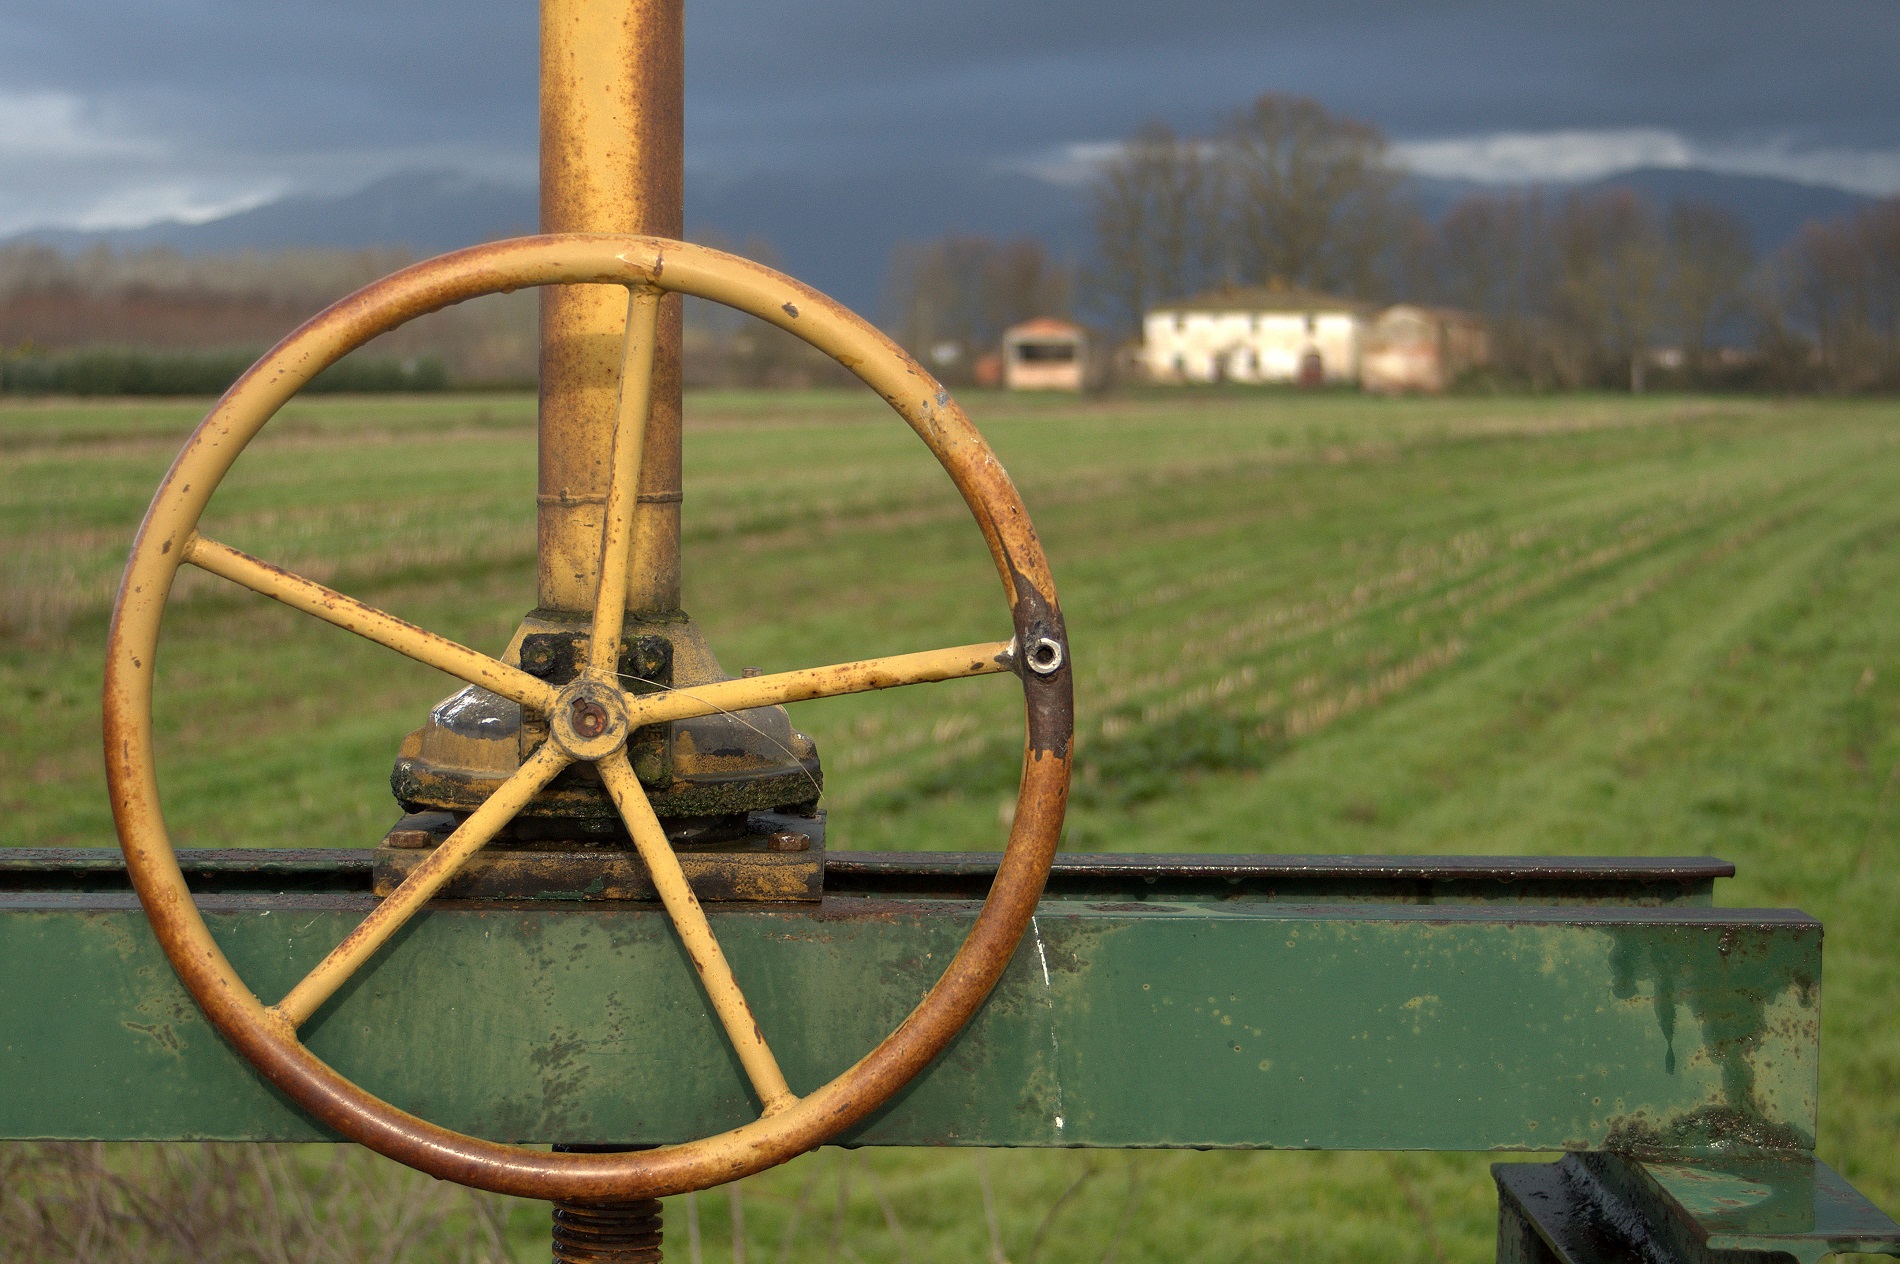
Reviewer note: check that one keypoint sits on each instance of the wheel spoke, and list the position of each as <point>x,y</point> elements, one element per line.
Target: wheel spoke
<point>623,491</point>
<point>423,881</point>
<point>823,682</point>
<point>368,622</point>
<point>715,974</point>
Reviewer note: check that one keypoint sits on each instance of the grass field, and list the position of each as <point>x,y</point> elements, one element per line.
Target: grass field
<point>1330,623</point>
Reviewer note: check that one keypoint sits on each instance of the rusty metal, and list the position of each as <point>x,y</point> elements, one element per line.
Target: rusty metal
<point>1742,1209</point>
<point>588,874</point>
<point>1044,657</point>
<point>1623,881</point>
<point>627,1232</point>
<point>1639,881</point>
<point>279,870</point>
<point>267,1037</point>
<point>776,860</point>
<point>587,717</point>
<point>612,161</point>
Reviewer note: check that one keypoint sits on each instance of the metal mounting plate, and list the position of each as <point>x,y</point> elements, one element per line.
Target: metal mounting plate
<point>1720,1209</point>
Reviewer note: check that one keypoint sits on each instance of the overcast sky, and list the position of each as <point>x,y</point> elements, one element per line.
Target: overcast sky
<point>121,112</point>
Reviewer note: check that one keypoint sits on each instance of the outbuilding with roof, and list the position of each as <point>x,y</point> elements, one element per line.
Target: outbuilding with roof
<point>1045,354</point>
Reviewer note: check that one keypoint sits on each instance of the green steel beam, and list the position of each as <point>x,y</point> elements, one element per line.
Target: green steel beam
<point>1352,1026</point>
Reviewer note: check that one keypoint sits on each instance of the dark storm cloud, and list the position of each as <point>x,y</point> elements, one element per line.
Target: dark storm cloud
<point>208,99</point>
<point>876,72</point>
<point>246,74</point>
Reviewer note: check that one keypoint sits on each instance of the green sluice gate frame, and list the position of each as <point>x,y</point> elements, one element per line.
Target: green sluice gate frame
<point>1407,1003</point>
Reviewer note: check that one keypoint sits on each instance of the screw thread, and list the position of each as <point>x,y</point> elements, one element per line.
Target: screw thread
<point>607,1233</point>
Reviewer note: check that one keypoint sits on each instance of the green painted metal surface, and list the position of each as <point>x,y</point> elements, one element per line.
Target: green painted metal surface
<point>1118,1024</point>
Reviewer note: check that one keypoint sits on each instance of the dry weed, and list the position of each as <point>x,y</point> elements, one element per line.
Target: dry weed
<point>211,1203</point>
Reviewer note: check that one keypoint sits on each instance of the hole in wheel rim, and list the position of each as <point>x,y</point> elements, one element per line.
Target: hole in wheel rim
<point>1045,656</point>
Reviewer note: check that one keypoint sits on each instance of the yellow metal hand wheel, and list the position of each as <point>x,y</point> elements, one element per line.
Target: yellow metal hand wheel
<point>588,719</point>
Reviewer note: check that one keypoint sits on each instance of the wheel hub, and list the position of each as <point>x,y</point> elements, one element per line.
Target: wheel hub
<point>589,718</point>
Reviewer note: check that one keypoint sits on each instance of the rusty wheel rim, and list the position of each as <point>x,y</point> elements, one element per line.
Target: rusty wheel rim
<point>265,1040</point>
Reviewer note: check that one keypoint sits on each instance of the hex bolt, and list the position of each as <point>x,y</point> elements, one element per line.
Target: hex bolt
<point>588,717</point>
<point>1045,656</point>
<point>789,840</point>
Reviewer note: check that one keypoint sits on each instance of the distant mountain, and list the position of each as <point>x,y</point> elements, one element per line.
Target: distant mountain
<point>837,233</point>
<point>426,211</point>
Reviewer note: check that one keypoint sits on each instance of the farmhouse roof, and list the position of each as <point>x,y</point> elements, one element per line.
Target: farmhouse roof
<point>1263,298</point>
<point>1043,326</point>
<point>1448,314</point>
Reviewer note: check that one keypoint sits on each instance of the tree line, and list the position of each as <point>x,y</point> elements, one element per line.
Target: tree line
<point>162,322</point>
<point>156,321</point>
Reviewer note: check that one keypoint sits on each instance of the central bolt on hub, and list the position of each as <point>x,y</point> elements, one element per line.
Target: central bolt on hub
<point>588,718</point>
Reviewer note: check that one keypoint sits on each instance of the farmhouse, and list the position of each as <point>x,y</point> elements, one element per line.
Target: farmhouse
<point>1275,334</point>
<point>1044,355</point>
<point>1411,348</point>
<point>1256,334</point>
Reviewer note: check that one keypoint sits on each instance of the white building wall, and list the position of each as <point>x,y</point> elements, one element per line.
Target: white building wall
<point>1249,346</point>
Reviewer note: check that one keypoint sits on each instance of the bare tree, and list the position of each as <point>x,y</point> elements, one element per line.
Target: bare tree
<point>1485,249</point>
<point>1312,196</point>
<point>1880,238</point>
<point>1609,255</point>
<point>952,298</point>
<point>1020,282</point>
<point>1840,281</point>
<point>1573,296</point>
<point>1157,220</point>
<point>1710,256</point>
<point>1496,258</point>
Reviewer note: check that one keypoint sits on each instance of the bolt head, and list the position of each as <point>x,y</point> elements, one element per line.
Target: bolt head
<point>588,718</point>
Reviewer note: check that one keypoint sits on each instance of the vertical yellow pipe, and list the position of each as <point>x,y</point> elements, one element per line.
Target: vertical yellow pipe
<point>612,161</point>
